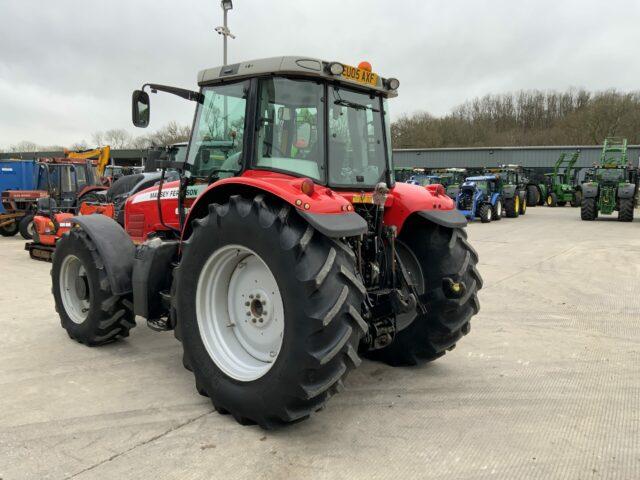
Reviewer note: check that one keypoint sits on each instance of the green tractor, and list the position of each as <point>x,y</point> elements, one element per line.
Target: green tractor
<point>559,187</point>
<point>612,185</point>
<point>513,185</point>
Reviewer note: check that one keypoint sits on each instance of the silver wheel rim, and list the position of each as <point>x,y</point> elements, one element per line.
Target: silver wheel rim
<point>240,313</point>
<point>30,228</point>
<point>74,289</point>
<point>499,208</point>
<point>489,213</point>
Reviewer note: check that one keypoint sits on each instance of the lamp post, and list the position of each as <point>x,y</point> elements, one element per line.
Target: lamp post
<point>224,30</point>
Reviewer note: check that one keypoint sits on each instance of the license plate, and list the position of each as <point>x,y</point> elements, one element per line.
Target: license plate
<point>359,75</point>
<point>364,198</point>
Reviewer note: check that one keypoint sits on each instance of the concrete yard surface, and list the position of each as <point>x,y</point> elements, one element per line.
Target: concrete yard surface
<point>546,385</point>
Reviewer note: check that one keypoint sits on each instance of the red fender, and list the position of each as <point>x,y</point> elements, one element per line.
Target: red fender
<point>288,188</point>
<point>409,199</point>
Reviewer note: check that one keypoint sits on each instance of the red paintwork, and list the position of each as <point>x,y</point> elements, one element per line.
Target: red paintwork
<point>47,234</point>
<point>141,212</point>
<point>107,209</point>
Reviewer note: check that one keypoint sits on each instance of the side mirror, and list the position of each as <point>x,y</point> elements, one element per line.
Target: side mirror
<point>140,108</point>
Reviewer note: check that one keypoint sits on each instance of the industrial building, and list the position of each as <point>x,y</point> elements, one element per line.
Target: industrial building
<point>537,158</point>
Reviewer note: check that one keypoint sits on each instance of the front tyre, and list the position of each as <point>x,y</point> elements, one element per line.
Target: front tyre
<point>625,213</point>
<point>268,312</point>
<point>448,264</point>
<point>89,311</point>
<point>9,230</point>
<point>485,212</point>
<point>497,210</point>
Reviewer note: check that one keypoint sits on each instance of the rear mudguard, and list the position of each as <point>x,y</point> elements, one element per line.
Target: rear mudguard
<point>628,190</point>
<point>326,211</point>
<point>589,190</point>
<point>407,200</point>
<point>114,246</point>
<point>91,188</point>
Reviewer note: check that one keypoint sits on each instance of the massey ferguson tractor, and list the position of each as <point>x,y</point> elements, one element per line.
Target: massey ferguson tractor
<point>285,251</point>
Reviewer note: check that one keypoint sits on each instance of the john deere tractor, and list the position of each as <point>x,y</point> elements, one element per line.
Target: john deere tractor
<point>285,251</point>
<point>559,187</point>
<point>612,185</point>
<point>512,185</point>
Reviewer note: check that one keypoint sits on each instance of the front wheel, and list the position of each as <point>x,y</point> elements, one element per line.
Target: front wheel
<point>576,199</point>
<point>485,213</point>
<point>497,210</point>
<point>267,310</point>
<point>88,309</point>
<point>588,209</point>
<point>449,289</point>
<point>552,200</point>
<point>26,227</point>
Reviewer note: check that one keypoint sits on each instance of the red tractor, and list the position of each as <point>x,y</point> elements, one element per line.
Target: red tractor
<point>284,252</point>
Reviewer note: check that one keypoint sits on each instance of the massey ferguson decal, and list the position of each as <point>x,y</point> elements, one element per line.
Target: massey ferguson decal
<point>172,192</point>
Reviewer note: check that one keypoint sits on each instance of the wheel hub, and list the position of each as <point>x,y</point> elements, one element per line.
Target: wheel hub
<point>240,312</point>
<point>82,287</point>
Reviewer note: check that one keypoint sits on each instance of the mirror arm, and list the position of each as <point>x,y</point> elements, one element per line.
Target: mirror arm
<point>180,92</point>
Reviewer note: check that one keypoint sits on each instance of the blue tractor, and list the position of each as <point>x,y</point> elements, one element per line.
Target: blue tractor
<point>480,197</point>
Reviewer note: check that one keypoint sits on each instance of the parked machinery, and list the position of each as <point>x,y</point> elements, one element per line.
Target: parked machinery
<point>284,251</point>
<point>65,181</point>
<point>480,197</point>
<point>612,184</point>
<point>560,186</point>
<point>449,178</point>
<point>512,185</point>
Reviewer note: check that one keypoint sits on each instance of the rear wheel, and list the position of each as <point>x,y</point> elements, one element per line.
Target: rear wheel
<point>523,205</point>
<point>512,206</point>
<point>533,195</point>
<point>625,213</point>
<point>268,312</point>
<point>26,227</point>
<point>449,289</point>
<point>485,213</point>
<point>9,230</point>
<point>89,311</point>
<point>588,209</point>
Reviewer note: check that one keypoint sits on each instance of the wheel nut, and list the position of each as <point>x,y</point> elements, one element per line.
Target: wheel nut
<point>272,354</point>
<point>253,320</point>
<point>261,320</point>
<point>257,295</point>
<point>246,304</point>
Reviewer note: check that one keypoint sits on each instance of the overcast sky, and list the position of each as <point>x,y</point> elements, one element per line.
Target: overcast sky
<point>67,67</point>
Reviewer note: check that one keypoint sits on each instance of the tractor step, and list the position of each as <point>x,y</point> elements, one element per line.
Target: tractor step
<point>39,252</point>
<point>159,324</point>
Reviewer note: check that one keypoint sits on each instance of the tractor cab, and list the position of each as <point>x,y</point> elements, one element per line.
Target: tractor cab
<point>324,121</point>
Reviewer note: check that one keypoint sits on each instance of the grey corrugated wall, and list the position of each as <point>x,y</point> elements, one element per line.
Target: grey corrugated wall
<point>528,157</point>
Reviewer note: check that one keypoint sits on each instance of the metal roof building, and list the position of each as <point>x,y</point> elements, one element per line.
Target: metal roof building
<point>528,157</point>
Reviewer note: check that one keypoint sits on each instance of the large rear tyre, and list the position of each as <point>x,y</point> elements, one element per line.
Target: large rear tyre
<point>276,362</point>
<point>533,195</point>
<point>588,209</point>
<point>523,205</point>
<point>9,230</point>
<point>448,264</point>
<point>26,227</point>
<point>89,311</point>
<point>625,213</point>
<point>512,206</point>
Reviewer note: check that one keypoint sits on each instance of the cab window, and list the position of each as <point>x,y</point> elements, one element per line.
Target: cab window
<point>290,124</point>
<point>216,143</point>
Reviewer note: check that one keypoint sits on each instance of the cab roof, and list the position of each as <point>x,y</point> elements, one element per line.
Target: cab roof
<point>287,65</point>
